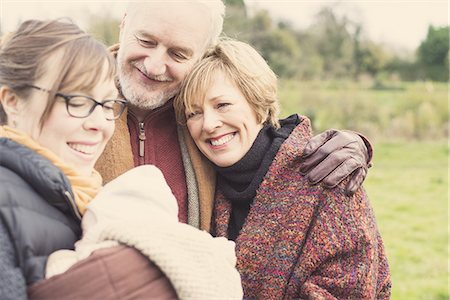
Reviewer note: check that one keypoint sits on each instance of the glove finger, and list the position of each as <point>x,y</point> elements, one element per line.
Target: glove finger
<point>345,169</point>
<point>308,164</point>
<point>356,180</point>
<point>317,141</point>
<point>330,148</point>
<point>328,162</point>
<point>326,166</point>
<point>337,142</point>
<point>356,143</point>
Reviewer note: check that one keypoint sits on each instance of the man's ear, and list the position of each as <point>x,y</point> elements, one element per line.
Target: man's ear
<point>122,25</point>
<point>10,101</point>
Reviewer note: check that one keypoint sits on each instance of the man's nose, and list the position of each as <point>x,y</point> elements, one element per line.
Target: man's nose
<point>155,62</point>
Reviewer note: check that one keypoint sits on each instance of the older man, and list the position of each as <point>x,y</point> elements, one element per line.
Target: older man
<point>160,41</point>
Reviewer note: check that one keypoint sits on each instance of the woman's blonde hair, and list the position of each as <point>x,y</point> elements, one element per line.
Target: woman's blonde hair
<point>24,53</point>
<point>245,67</point>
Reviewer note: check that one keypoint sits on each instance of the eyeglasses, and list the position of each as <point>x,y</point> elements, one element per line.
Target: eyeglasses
<point>79,106</point>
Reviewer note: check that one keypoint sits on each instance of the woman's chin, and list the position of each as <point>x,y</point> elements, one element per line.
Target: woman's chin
<point>224,162</point>
<point>86,171</point>
<point>81,166</point>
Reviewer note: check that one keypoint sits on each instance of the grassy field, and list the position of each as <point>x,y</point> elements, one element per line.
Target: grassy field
<point>395,111</point>
<point>408,184</point>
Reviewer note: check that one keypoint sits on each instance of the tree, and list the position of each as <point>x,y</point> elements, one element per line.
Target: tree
<point>236,20</point>
<point>334,43</point>
<point>433,54</point>
<point>277,43</point>
<point>281,50</point>
<point>373,58</point>
<point>105,29</point>
<point>235,3</point>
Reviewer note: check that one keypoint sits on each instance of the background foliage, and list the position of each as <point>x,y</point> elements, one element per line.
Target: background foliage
<point>334,46</point>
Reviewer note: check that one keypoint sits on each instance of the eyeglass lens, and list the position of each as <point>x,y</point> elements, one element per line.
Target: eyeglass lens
<point>81,107</point>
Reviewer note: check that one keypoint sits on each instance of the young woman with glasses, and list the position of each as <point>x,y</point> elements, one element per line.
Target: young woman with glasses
<point>57,109</point>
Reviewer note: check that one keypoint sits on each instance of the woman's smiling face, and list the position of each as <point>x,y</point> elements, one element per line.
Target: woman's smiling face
<point>223,124</point>
<point>77,141</point>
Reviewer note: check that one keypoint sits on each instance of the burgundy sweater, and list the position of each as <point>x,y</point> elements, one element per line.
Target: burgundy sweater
<point>155,141</point>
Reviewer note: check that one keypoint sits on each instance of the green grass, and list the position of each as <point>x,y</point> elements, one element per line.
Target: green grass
<point>408,187</point>
<point>403,110</point>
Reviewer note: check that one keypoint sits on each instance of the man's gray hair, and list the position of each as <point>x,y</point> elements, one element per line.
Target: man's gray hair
<point>217,14</point>
<point>217,10</point>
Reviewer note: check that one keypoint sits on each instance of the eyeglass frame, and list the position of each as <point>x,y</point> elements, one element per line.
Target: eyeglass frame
<point>67,98</point>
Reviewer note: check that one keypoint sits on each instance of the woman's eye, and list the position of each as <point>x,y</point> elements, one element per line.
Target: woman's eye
<point>223,105</point>
<point>109,106</point>
<point>75,105</point>
<point>192,115</point>
<point>78,102</point>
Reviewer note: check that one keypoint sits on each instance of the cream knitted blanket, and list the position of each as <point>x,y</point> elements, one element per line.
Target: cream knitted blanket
<point>138,209</point>
<point>198,265</point>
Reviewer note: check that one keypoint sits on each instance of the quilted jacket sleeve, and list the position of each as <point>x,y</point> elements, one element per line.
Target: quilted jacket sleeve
<point>12,282</point>
<point>112,273</point>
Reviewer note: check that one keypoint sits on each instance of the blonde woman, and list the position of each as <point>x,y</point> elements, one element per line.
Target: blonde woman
<point>293,240</point>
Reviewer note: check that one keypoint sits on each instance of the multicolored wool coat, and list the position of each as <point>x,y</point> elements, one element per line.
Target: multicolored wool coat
<point>303,241</point>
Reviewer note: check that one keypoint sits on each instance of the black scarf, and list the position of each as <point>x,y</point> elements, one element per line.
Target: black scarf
<point>240,181</point>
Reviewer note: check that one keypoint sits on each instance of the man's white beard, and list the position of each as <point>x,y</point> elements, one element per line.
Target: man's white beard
<point>139,97</point>
<point>142,100</point>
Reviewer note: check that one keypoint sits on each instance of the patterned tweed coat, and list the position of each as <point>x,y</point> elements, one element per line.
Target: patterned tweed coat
<point>303,241</point>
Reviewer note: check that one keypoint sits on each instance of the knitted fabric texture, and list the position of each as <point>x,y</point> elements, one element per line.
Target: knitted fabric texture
<point>303,241</point>
<point>198,265</point>
<point>240,181</point>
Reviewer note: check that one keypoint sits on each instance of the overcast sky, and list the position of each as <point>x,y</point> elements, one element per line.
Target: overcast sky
<point>402,24</point>
<point>396,22</point>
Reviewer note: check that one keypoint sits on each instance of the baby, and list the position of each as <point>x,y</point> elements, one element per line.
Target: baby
<point>139,210</point>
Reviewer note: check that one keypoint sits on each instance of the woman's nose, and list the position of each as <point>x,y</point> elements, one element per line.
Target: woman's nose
<point>211,121</point>
<point>97,119</point>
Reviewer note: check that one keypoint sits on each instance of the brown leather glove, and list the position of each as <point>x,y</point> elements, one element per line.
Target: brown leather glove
<point>334,155</point>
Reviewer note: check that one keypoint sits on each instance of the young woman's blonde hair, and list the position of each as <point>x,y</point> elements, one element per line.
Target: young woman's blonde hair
<point>245,67</point>
<point>25,52</point>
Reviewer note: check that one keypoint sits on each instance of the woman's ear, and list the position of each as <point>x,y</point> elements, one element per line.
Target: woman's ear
<point>10,101</point>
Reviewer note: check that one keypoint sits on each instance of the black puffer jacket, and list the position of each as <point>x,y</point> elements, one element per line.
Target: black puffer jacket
<point>37,217</point>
